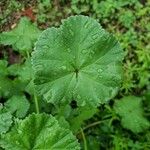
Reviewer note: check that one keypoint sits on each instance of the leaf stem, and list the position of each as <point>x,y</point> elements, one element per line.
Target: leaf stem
<point>36,103</point>
<point>92,124</point>
<point>28,55</point>
<point>84,139</point>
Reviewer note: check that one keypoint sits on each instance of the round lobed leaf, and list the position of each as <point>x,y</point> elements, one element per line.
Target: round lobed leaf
<point>131,112</point>
<point>5,121</point>
<point>39,132</point>
<point>18,105</point>
<point>79,61</point>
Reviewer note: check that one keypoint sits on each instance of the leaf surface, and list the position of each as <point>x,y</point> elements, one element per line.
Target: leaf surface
<point>18,105</point>
<point>3,68</point>
<point>22,37</point>
<point>39,131</point>
<point>131,111</point>
<point>77,61</point>
<point>5,121</point>
<point>79,115</point>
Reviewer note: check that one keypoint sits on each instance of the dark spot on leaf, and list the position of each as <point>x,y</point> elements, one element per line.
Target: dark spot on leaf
<point>11,77</point>
<point>111,102</point>
<point>116,122</point>
<point>73,104</point>
<point>27,95</point>
<point>2,100</point>
<point>76,71</point>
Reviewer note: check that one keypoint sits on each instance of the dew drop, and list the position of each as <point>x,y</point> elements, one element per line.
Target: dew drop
<point>87,24</point>
<point>17,142</point>
<point>39,66</point>
<point>45,47</point>
<point>95,36</point>
<point>84,51</point>
<point>92,52</point>
<point>100,76</point>
<point>90,56</point>
<point>68,50</point>
<point>78,97</point>
<point>64,67</point>
<point>83,103</point>
<point>19,131</point>
<point>99,70</point>
<point>71,32</point>
<point>42,81</point>
<point>93,42</point>
<point>48,95</point>
<point>95,89</point>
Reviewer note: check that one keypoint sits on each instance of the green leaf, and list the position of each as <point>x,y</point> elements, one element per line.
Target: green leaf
<point>5,87</point>
<point>9,87</point>
<point>39,131</point>
<point>78,61</point>
<point>18,105</point>
<point>25,74</point>
<point>93,142</point>
<point>5,121</point>
<point>22,37</point>
<point>127,18</point>
<point>79,115</point>
<point>23,71</point>
<point>131,111</point>
<point>14,69</point>
<point>3,68</point>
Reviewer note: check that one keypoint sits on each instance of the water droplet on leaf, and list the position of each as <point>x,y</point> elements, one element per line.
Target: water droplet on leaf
<point>64,67</point>
<point>71,32</point>
<point>100,76</point>
<point>68,50</point>
<point>87,24</point>
<point>84,51</point>
<point>99,70</point>
<point>83,103</point>
<point>95,36</point>
<point>20,131</point>
<point>78,97</point>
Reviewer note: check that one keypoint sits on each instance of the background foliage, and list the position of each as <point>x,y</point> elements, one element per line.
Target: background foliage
<point>110,128</point>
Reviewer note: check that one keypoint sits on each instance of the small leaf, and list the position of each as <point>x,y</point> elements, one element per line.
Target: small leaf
<point>23,71</point>
<point>5,87</point>
<point>3,68</point>
<point>131,111</point>
<point>77,61</point>
<point>18,105</point>
<point>39,131</point>
<point>22,37</point>
<point>79,115</point>
<point>5,121</point>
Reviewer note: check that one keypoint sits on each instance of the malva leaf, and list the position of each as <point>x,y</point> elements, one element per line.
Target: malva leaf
<point>22,37</point>
<point>26,73</point>
<point>5,121</point>
<point>39,131</point>
<point>23,71</point>
<point>18,105</point>
<point>3,68</point>
<point>131,112</point>
<point>79,61</point>
<point>79,115</point>
<point>5,86</point>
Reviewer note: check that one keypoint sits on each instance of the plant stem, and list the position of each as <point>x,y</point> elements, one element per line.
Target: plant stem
<point>36,103</point>
<point>92,124</point>
<point>28,55</point>
<point>84,139</point>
